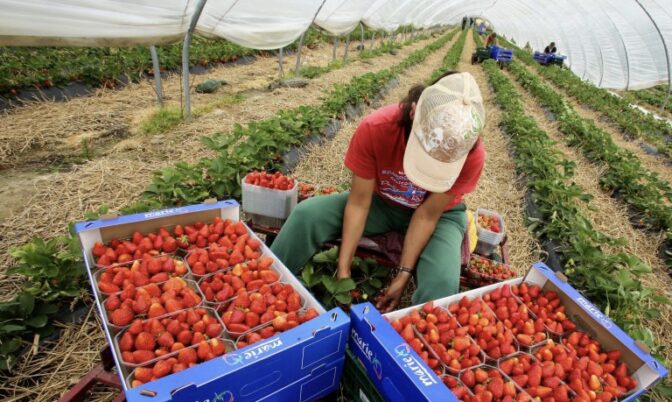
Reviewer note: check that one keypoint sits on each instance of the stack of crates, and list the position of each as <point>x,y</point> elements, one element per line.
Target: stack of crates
<point>501,54</point>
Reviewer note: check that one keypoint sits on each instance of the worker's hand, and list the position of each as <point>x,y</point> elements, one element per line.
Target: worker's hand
<point>343,273</point>
<point>389,300</point>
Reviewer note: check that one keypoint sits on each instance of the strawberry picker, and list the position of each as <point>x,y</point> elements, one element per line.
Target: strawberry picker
<point>412,164</point>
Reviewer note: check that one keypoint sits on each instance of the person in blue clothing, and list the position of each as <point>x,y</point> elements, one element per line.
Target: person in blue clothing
<point>481,28</point>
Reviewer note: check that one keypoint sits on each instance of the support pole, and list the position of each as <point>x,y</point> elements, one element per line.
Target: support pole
<point>347,47</point>
<point>298,56</point>
<point>185,58</point>
<point>667,57</point>
<point>298,50</point>
<point>373,39</point>
<point>281,56</point>
<point>333,52</point>
<point>157,75</point>
<point>361,36</point>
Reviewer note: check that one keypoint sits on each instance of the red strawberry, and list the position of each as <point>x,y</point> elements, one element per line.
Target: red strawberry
<point>144,341</point>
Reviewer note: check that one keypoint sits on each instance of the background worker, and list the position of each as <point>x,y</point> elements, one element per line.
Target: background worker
<point>491,40</point>
<point>550,49</point>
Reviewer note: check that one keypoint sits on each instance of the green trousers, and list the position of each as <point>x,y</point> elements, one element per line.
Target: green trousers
<point>320,219</point>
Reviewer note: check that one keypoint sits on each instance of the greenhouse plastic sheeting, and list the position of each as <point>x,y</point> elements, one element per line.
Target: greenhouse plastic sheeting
<point>618,44</point>
<point>93,23</point>
<point>612,43</point>
<point>340,17</point>
<point>258,24</point>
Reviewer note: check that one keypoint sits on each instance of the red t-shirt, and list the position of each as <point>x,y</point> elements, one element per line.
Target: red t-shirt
<point>376,151</point>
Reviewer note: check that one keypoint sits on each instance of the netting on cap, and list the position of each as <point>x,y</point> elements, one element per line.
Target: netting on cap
<point>449,119</point>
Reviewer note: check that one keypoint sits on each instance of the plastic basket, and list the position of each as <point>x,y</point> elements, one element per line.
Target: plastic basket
<point>268,202</point>
<point>484,278</point>
<point>356,382</point>
<point>487,239</point>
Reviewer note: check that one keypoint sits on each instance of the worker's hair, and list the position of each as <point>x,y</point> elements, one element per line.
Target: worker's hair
<point>406,121</point>
<point>552,43</point>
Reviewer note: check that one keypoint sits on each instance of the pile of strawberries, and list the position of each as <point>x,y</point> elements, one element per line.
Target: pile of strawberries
<point>515,316</point>
<point>543,380</point>
<point>250,309</point>
<point>487,270</point>
<point>439,338</point>
<point>145,340</point>
<point>596,365</point>
<point>276,181</point>
<point>279,324</point>
<point>486,383</point>
<point>184,359</point>
<point>489,222</point>
<point>224,285</point>
<point>151,301</point>
<point>226,251</point>
<point>490,334</point>
<point>149,269</point>
<point>499,324</point>
<point>306,190</point>
<point>121,251</point>
<point>546,305</point>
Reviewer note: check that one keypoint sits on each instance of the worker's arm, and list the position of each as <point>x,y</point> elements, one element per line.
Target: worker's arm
<point>354,220</point>
<point>420,230</point>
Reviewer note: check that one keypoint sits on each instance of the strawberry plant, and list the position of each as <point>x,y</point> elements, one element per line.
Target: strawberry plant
<point>632,121</point>
<point>367,279</point>
<point>44,67</point>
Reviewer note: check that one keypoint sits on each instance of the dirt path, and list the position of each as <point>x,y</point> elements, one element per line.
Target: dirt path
<point>59,130</point>
<point>610,216</point>
<point>75,352</point>
<point>653,163</point>
<point>499,188</point>
<point>44,203</point>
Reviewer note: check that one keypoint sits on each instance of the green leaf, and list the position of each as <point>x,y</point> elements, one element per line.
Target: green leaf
<point>10,346</point>
<point>345,285</point>
<point>307,274</point>
<point>26,303</point>
<point>328,256</point>
<point>330,283</point>
<point>9,328</point>
<point>37,321</point>
<point>376,283</point>
<point>343,298</point>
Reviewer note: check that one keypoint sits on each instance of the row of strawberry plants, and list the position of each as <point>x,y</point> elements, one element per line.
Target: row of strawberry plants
<point>610,280</point>
<point>43,67</point>
<point>654,97</point>
<point>632,121</point>
<point>53,268</point>
<point>642,190</point>
<point>450,60</point>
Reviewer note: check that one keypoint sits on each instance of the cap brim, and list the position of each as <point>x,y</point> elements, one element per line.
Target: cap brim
<point>428,173</point>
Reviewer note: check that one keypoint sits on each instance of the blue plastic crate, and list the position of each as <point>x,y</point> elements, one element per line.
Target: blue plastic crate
<point>501,54</point>
<point>400,375</point>
<point>253,372</point>
<point>308,357</point>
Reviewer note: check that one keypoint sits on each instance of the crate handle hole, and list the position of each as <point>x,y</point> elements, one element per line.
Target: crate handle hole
<point>146,392</point>
<point>366,310</point>
<point>334,316</point>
